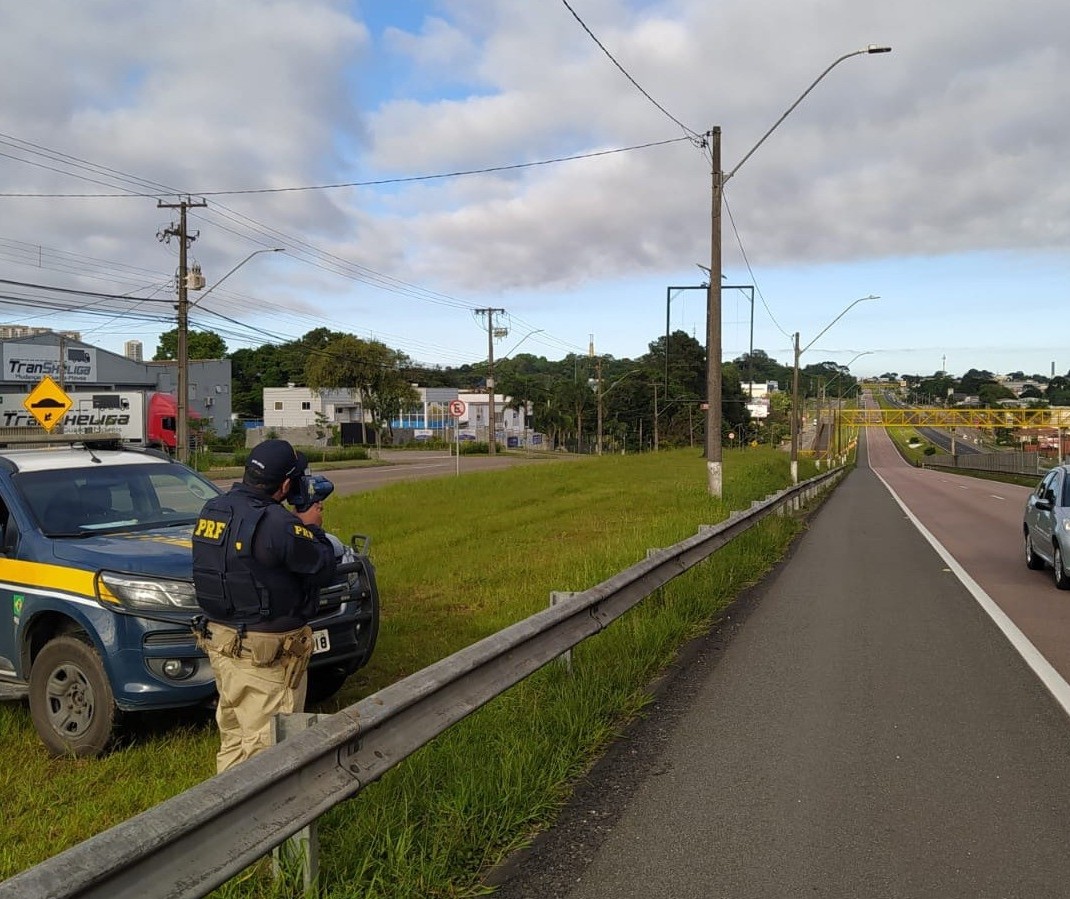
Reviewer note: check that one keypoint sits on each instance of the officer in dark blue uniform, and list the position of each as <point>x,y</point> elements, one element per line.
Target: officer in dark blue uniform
<point>257,569</point>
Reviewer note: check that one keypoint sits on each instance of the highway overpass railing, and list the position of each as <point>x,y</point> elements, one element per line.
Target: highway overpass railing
<point>938,417</point>
<point>196,841</point>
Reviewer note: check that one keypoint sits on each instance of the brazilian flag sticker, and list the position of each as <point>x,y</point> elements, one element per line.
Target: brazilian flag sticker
<point>16,603</point>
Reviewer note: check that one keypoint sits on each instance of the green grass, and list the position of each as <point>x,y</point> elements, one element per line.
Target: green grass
<point>458,558</point>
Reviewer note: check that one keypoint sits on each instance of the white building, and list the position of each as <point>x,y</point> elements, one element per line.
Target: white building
<point>758,394</point>
<point>508,422</point>
<point>295,414</point>
<point>300,407</point>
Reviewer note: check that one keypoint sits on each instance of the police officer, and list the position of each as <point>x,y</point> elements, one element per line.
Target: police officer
<point>257,569</point>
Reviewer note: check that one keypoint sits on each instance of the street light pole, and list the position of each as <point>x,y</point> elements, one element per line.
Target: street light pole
<point>750,357</point>
<point>182,351</point>
<point>713,326</point>
<point>795,385</point>
<point>668,301</point>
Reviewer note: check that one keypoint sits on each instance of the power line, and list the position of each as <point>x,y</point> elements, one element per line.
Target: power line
<point>746,261</point>
<point>692,135</point>
<point>265,235</point>
<point>336,185</point>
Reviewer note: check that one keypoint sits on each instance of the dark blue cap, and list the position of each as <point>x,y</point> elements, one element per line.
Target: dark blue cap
<point>273,461</point>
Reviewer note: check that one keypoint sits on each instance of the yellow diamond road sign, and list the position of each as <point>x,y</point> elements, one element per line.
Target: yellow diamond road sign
<point>48,403</point>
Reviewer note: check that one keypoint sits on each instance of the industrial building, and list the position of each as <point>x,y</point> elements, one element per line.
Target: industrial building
<point>28,358</point>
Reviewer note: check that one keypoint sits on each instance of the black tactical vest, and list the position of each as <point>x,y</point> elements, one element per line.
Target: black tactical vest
<point>223,565</point>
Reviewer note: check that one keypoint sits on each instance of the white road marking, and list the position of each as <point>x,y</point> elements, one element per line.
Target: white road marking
<point>1049,677</point>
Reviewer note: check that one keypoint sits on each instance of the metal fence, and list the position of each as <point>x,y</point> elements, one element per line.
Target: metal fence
<point>1007,463</point>
<point>196,841</point>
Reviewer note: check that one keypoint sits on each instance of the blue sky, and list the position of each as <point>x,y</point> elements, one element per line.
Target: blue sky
<point>932,176</point>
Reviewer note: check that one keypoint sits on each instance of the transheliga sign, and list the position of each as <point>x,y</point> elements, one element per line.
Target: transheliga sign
<point>31,362</point>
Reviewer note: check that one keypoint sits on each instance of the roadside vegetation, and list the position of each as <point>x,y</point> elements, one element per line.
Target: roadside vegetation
<point>457,559</point>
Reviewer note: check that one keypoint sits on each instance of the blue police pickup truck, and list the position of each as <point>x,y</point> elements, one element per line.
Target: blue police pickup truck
<point>96,592</point>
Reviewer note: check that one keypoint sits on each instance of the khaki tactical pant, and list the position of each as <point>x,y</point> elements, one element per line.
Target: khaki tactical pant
<point>257,676</point>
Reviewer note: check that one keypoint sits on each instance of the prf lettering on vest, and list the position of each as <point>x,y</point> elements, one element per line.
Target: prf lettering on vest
<point>304,532</point>
<point>209,529</point>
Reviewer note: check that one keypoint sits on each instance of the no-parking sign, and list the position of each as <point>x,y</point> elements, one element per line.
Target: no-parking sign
<point>457,408</point>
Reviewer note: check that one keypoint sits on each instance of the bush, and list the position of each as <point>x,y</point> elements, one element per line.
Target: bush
<point>930,450</point>
<point>478,448</point>
<point>435,444</point>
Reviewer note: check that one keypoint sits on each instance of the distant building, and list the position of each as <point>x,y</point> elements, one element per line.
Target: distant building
<point>758,394</point>
<point>79,366</point>
<point>132,350</point>
<point>298,413</point>
<point>300,407</point>
<point>16,332</point>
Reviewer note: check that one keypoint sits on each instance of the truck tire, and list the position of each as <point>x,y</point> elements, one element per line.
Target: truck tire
<point>71,701</point>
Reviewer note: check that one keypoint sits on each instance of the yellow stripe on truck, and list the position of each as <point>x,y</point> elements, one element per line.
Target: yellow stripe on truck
<point>50,577</point>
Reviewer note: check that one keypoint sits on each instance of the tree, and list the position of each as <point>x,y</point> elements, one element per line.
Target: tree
<point>1058,392</point>
<point>970,383</point>
<point>368,367</point>
<point>991,393</point>
<point>734,411</point>
<point>759,366</point>
<point>199,345</point>
<point>937,388</point>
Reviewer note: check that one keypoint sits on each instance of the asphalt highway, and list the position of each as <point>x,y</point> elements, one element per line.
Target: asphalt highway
<point>879,718</point>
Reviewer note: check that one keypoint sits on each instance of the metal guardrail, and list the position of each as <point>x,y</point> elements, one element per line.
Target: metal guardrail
<point>188,845</point>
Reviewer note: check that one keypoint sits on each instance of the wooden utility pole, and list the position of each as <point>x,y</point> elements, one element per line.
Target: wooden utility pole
<point>182,350</point>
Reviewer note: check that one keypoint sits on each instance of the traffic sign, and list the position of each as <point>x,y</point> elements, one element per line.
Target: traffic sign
<point>48,403</point>
<point>458,408</point>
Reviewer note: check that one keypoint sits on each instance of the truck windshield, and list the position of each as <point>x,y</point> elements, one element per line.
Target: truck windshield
<point>83,501</point>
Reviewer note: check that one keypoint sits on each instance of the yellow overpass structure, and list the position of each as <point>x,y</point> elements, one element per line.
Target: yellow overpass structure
<point>899,417</point>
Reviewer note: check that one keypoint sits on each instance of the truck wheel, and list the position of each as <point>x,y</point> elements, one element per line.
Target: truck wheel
<point>71,701</point>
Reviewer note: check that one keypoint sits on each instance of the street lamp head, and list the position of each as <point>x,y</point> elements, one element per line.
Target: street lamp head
<point>873,48</point>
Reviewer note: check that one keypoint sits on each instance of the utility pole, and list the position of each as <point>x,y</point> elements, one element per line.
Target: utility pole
<point>795,413</point>
<point>656,418</point>
<point>182,350</point>
<point>598,368</point>
<point>714,470</point>
<point>491,431</point>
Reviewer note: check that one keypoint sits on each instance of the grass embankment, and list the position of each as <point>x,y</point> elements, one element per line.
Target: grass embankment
<point>458,559</point>
<point>907,440</point>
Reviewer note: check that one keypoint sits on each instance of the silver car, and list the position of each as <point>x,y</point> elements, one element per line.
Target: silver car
<point>1047,525</point>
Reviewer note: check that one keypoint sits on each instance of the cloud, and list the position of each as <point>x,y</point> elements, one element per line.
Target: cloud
<point>952,144</point>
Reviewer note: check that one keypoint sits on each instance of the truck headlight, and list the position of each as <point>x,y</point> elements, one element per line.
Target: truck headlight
<point>136,592</point>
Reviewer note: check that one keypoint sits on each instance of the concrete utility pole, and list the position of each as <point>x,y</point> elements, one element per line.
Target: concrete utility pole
<point>491,431</point>
<point>713,325</point>
<point>714,471</point>
<point>795,412</point>
<point>182,350</point>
